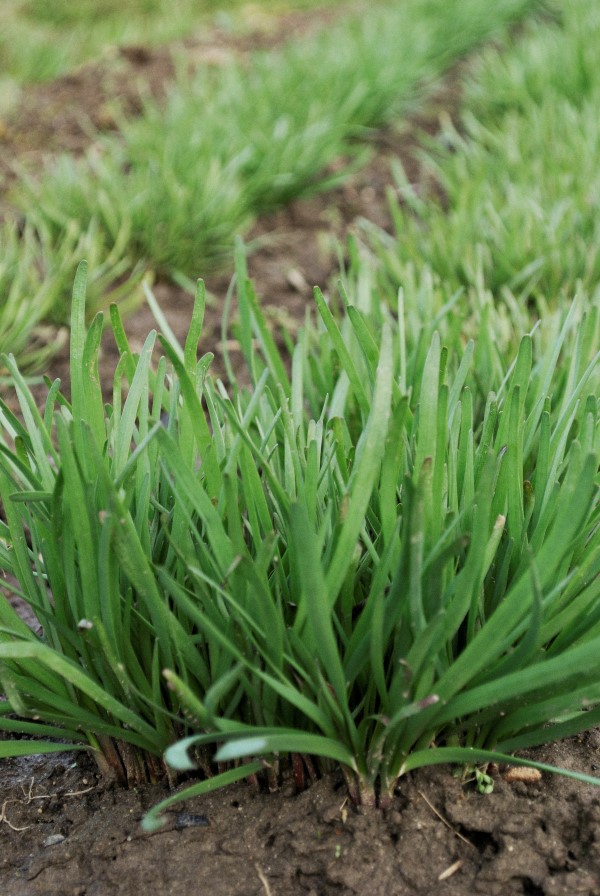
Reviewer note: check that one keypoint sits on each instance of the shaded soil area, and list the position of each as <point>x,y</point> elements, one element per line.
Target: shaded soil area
<point>63,830</point>
<point>65,834</point>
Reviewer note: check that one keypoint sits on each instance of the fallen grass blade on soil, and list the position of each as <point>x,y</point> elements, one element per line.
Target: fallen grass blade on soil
<point>291,569</point>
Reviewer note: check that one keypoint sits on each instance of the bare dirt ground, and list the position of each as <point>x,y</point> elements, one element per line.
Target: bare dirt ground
<point>66,832</point>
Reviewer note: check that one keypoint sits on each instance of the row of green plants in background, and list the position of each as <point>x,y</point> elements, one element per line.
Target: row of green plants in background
<point>171,191</point>
<point>40,40</point>
<point>378,558</point>
<point>519,173</point>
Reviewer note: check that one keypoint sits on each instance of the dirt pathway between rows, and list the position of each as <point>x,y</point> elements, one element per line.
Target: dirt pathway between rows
<point>64,832</point>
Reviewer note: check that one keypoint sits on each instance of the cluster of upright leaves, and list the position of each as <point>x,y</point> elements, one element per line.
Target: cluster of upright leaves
<point>36,277</point>
<point>459,570</point>
<point>363,559</point>
<point>81,520</point>
<point>516,214</point>
<point>19,276</point>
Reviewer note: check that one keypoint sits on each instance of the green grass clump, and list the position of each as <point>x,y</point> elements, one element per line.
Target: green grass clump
<point>364,558</point>
<point>520,177</point>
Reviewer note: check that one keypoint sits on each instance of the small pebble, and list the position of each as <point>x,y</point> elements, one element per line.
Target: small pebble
<point>53,840</point>
<point>185,820</point>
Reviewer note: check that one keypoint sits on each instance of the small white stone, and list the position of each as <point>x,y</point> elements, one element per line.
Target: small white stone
<point>53,840</point>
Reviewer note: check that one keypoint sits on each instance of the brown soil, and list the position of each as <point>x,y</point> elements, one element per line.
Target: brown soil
<point>65,834</point>
<point>65,831</point>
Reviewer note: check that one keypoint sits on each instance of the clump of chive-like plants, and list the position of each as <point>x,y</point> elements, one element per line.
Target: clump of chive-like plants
<point>362,560</point>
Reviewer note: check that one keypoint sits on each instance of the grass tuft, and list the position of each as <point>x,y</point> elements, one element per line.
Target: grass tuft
<point>372,561</point>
